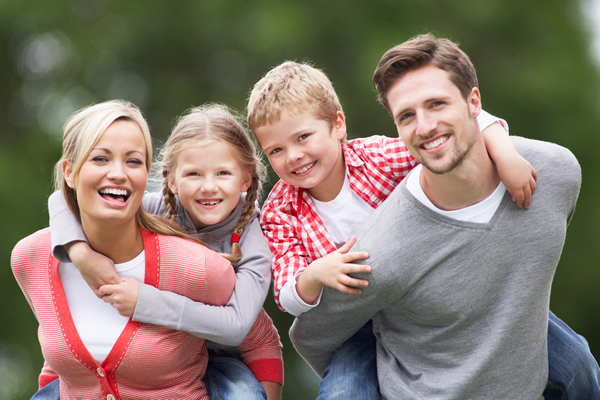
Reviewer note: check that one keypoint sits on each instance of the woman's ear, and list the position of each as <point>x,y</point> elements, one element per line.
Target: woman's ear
<point>67,169</point>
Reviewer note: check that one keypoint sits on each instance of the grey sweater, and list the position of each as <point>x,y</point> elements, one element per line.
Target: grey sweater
<point>227,325</point>
<point>459,309</point>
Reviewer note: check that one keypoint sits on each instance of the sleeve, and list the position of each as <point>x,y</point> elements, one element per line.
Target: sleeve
<point>289,253</point>
<point>291,300</point>
<point>226,325</point>
<point>219,280</point>
<point>64,226</point>
<point>261,350</point>
<point>485,119</point>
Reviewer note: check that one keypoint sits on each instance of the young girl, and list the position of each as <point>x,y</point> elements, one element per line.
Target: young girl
<point>88,347</point>
<point>207,163</point>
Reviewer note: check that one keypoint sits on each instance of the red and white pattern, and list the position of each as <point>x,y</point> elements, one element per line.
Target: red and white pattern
<point>147,361</point>
<point>297,236</point>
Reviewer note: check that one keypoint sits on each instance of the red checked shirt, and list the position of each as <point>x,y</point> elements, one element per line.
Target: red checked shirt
<point>297,236</point>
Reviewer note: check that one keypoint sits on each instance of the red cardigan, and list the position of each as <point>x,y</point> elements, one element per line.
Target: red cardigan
<point>147,361</point>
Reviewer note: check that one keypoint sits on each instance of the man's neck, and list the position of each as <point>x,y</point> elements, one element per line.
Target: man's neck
<point>472,181</point>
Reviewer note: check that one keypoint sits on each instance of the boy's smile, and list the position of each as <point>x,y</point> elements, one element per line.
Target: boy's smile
<point>306,152</point>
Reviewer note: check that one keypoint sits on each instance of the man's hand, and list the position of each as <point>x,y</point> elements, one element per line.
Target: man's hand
<point>122,296</point>
<point>96,269</point>
<point>332,270</point>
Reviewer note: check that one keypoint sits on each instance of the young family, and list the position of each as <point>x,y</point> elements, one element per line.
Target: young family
<point>411,272</point>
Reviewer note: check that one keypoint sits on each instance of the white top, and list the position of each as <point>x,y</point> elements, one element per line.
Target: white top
<point>98,324</point>
<point>340,216</point>
<point>481,212</point>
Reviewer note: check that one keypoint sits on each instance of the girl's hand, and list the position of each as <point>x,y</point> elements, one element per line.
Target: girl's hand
<point>122,296</point>
<point>96,269</point>
<point>332,270</point>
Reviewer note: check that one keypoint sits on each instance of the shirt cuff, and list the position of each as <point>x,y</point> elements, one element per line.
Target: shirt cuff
<point>292,302</point>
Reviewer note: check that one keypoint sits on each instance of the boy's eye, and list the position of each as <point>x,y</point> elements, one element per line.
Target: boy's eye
<point>304,136</point>
<point>276,150</point>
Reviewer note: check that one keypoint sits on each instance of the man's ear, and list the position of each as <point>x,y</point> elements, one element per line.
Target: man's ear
<point>339,126</point>
<point>474,102</point>
<point>67,169</point>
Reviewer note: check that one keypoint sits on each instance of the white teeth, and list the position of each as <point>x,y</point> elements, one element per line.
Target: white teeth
<point>209,203</point>
<point>435,143</point>
<point>115,192</point>
<point>302,170</point>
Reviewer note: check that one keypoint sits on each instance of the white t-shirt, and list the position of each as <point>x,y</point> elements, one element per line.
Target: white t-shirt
<point>98,324</point>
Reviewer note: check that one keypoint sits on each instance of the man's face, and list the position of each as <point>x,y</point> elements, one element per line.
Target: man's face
<point>433,119</point>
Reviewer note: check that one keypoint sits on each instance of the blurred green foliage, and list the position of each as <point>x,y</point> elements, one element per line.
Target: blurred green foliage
<point>532,58</point>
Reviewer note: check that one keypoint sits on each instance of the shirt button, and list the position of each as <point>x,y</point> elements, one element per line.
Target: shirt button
<point>110,397</point>
<point>100,372</point>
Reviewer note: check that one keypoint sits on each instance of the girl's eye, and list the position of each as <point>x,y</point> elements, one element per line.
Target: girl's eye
<point>191,174</point>
<point>222,173</point>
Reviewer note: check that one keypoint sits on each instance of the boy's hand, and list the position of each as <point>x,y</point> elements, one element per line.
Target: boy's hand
<point>332,270</point>
<point>96,269</point>
<point>519,177</point>
<point>122,296</point>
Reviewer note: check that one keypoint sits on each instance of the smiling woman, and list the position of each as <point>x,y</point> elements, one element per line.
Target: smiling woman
<point>90,350</point>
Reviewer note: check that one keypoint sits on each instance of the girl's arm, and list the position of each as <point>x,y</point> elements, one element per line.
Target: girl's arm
<point>226,325</point>
<point>515,172</point>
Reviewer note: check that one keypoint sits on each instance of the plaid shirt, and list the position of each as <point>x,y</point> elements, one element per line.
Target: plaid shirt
<point>296,234</point>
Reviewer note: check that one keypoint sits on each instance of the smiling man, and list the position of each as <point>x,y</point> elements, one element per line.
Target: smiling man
<point>461,277</point>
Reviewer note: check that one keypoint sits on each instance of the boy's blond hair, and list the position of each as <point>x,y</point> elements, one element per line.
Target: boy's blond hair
<point>296,88</point>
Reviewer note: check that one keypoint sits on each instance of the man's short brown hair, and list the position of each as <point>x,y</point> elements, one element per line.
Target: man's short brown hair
<point>419,52</point>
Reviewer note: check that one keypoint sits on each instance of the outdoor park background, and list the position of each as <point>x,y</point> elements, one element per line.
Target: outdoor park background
<point>534,60</point>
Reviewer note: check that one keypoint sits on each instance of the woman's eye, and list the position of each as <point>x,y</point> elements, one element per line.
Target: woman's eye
<point>99,159</point>
<point>135,161</point>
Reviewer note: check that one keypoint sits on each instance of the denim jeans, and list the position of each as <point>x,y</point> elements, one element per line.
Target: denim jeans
<point>49,392</point>
<point>352,372</point>
<point>573,372</point>
<point>227,378</point>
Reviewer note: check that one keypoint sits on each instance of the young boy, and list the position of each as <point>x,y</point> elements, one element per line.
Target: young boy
<point>328,186</point>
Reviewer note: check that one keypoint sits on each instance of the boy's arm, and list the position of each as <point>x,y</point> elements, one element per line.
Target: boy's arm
<point>516,173</point>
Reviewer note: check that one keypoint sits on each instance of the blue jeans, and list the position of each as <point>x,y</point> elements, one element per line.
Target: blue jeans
<point>227,378</point>
<point>49,392</point>
<point>573,372</point>
<point>352,372</point>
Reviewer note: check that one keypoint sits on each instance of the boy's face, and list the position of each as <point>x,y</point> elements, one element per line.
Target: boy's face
<point>305,152</point>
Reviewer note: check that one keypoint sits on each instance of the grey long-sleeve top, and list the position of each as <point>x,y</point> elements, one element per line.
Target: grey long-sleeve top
<point>226,325</point>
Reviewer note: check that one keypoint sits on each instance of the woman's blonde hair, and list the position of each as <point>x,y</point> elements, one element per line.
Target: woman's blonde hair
<point>214,122</point>
<point>82,131</point>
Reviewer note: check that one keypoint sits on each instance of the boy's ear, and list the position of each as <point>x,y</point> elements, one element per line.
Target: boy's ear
<point>339,126</point>
<point>67,169</point>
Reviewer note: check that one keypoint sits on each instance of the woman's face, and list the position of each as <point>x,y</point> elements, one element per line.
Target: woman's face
<point>113,178</point>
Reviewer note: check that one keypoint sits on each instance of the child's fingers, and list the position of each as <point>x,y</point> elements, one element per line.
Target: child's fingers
<point>355,255</point>
<point>348,245</point>
<point>348,289</point>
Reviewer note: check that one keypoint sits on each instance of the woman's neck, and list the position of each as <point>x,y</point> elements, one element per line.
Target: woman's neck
<point>120,243</point>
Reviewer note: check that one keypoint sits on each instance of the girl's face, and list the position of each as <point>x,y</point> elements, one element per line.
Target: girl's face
<point>112,179</point>
<point>208,181</point>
